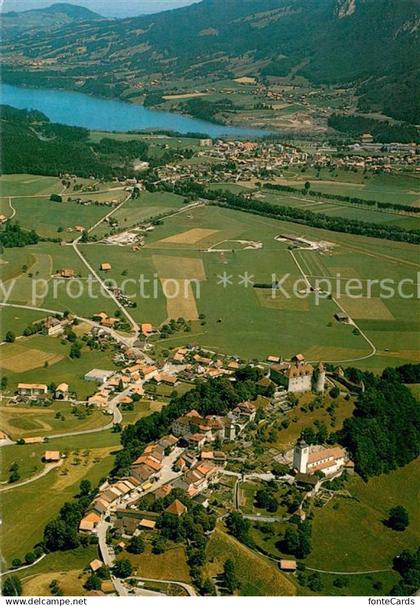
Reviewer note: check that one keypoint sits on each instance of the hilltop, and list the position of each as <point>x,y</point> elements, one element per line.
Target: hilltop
<point>365,44</point>
<point>14,23</point>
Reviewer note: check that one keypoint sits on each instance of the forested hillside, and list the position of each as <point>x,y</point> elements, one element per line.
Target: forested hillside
<point>369,44</point>
<point>32,144</point>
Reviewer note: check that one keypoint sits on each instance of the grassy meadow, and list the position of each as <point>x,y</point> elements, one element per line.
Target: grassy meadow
<point>27,509</point>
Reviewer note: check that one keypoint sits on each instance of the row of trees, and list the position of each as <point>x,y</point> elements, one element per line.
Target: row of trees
<point>349,199</point>
<point>318,220</point>
<point>296,215</point>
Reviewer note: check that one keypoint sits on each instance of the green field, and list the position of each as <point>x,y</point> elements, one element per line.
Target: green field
<point>249,321</point>
<point>256,575</point>
<point>24,362</point>
<point>338,534</point>
<point>397,188</point>
<point>34,209</point>
<point>335,208</point>
<point>238,319</point>
<point>349,535</point>
<point>64,566</point>
<point>21,421</point>
<point>141,209</point>
<point>27,509</point>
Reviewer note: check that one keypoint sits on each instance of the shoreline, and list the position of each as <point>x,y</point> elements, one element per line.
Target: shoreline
<point>259,132</point>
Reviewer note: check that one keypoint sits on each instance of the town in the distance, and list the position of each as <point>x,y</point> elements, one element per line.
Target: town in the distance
<point>209,321</point>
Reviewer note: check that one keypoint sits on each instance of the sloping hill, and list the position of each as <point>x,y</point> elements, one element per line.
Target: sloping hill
<point>372,44</point>
<point>54,16</point>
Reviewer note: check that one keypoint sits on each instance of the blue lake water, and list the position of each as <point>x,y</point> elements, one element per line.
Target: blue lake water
<point>77,109</point>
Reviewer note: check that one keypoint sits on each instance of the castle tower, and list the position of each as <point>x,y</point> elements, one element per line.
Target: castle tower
<point>300,456</point>
<point>320,380</point>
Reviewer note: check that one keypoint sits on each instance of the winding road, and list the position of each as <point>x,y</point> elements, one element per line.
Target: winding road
<point>188,588</point>
<point>373,349</point>
<point>38,476</point>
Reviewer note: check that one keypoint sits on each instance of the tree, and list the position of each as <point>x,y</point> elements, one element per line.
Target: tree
<point>85,488</point>
<point>14,473</point>
<point>398,518</point>
<point>159,545</point>
<point>334,392</point>
<point>30,558</point>
<point>12,586</point>
<point>229,576</point>
<point>314,582</point>
<point>59,536</point>
<point>340,582</point>
<point>291,540</point>
<point>10,337</point>
<point>123,568</point>
<point>136,545</point>
<point>408,566</point>
<point>75,350</point>
<point>239,527</point>
<point>265,498</point>
<point>93,583</point>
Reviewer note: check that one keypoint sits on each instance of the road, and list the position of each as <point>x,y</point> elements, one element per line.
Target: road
<point>352,322</point>
<point>124,340</point>
<point>263,518</point>
<point>133,323</point>
<point>188,588</point>
<point>49,467</point>
<point>108,557</point>
<point>63,191</point>
<point>348,573</point>
<point>23,567</point>
<point>12,208</point>
<point>107,553</point>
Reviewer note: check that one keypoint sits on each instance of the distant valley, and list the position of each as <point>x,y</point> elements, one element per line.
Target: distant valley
<point>283,63</point>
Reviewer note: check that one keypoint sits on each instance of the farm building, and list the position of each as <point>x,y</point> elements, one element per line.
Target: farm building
<point>89,522</point>
<point>62,391</point>
<point>98,376</point>
<point>32,389</point>
<point>288,565</point>
<point>52,456</point>
<point>342,317</point>
<point>66,273</point>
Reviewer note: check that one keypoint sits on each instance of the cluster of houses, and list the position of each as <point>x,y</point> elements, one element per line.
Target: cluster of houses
<point>244,161</point>
<point>184,459</point>
<point>195,364</point>
<point>129,380</point>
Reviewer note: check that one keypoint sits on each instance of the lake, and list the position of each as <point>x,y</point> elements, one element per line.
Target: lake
<point>77,109</point>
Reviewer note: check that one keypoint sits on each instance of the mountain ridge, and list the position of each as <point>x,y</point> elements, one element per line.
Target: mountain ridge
<point>53,16</point>
<point>369,44</point>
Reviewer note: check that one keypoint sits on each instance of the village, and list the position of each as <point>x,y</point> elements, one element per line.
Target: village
<point>238,161</point>
<point>203,459</point>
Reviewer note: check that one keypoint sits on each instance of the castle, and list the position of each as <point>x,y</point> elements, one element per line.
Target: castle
<point>302,376</point>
